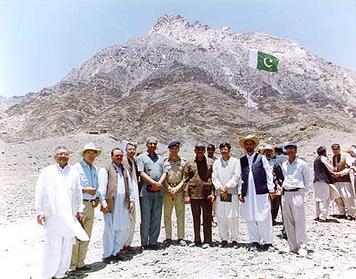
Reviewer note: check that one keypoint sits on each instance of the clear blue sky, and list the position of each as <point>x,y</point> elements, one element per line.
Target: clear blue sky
<point>42,40</point>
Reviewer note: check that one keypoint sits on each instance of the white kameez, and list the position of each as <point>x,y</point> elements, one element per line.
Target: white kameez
<point>135,217</point>
<point>256,210</point>
<point>116,227</point>
<point>227,174</point>
<point>59,198</point>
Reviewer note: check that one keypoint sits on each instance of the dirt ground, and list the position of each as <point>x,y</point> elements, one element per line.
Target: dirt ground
<point>331,246</point>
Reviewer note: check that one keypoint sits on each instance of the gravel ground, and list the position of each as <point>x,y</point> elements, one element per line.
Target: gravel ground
<point>331,246</point>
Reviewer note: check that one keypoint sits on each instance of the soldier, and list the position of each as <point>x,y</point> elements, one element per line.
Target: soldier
<point>174,194</point>
<point>199,193</point>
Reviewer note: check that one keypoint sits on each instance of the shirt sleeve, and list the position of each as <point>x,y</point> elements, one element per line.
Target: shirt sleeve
<point>186,179</point>
<point>131,189</point>
<point>326,163</point>
<point>78,194</point>
<point>306,176</point>
<point>269,174</point>
<point>214,176</point>
<point>166,166</point>
<point>349,160</point>
<point>102,185</point>
<point>140,164</point>
<point>39,195</point>
<point>235,179</point>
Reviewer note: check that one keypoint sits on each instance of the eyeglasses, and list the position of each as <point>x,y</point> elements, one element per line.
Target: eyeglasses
<point>62,154</point>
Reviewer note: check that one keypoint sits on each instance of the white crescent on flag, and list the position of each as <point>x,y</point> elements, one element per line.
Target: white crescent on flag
<point>268,65</point>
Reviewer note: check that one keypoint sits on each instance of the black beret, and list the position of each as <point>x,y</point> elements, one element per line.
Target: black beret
<point>174,144</point>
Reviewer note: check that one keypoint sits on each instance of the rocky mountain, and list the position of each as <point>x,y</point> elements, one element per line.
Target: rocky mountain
<point>191,82</point>
<point>6,102</point>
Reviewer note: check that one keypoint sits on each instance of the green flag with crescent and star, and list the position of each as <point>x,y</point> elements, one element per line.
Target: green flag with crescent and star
<point>263,61</point>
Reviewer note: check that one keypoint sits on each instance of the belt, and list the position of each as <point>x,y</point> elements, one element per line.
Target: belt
<point>291,190</point>
<point>89,200</point>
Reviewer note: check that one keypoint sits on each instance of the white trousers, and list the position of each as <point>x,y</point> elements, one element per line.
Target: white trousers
<point>228,228</point>
<point>132,226</point>
<point>260,231</point>
<point>113,240</point>
<point>294,218</point>
<point>57,255</point>
<point>346,201</point>
<point>322,209</point>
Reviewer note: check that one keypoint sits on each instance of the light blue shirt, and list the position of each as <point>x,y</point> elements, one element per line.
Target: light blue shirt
<point>296,175</point>
<point>154,166</point>
<point>88,176</point>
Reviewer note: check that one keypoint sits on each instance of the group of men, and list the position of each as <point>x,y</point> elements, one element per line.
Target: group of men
<point>334,180</point>
<point>133,190</point>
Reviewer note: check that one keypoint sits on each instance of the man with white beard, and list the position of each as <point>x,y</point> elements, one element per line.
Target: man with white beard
<point>257,183</point>
<point>226,178</point>
<point>117,202</point>
<point>59,206</point>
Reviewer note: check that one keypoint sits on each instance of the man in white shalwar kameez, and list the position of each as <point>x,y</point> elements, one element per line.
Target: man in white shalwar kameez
<point>117,202</point>
<point>58,201</point>
<point>257,183</point>
<point>322,180</point>
<point>226,177</point>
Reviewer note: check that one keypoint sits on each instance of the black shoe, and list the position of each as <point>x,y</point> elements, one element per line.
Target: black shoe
<point>119,257</point>
<point>254,246</point>
<point>340,216</point>
<point>154,246</point>
<point>198,243</point>
<point>84,268</point>
<point>108,260</point>
<point>234,243</point>
<point>265,247</point>
<point>168,242</point>
<point>224,243</point>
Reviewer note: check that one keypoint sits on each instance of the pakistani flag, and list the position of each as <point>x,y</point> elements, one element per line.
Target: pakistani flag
<point>263,61</point>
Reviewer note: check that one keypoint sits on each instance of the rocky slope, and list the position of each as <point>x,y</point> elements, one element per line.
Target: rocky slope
<point>189,81</point>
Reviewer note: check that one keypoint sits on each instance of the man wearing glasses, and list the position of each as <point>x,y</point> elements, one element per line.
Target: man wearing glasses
<point>59,206</point>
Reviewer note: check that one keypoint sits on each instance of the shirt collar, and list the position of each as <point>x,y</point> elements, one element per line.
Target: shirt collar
<point>249,156</point>
<point>85,164</point>
<point>294,162</point>
<point>149,155</point>
<point>62,169</point>
<point>170,159</point>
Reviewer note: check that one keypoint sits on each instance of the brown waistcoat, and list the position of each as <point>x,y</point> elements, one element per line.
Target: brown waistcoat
<point>340,166</point>
<point>112,186</point>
